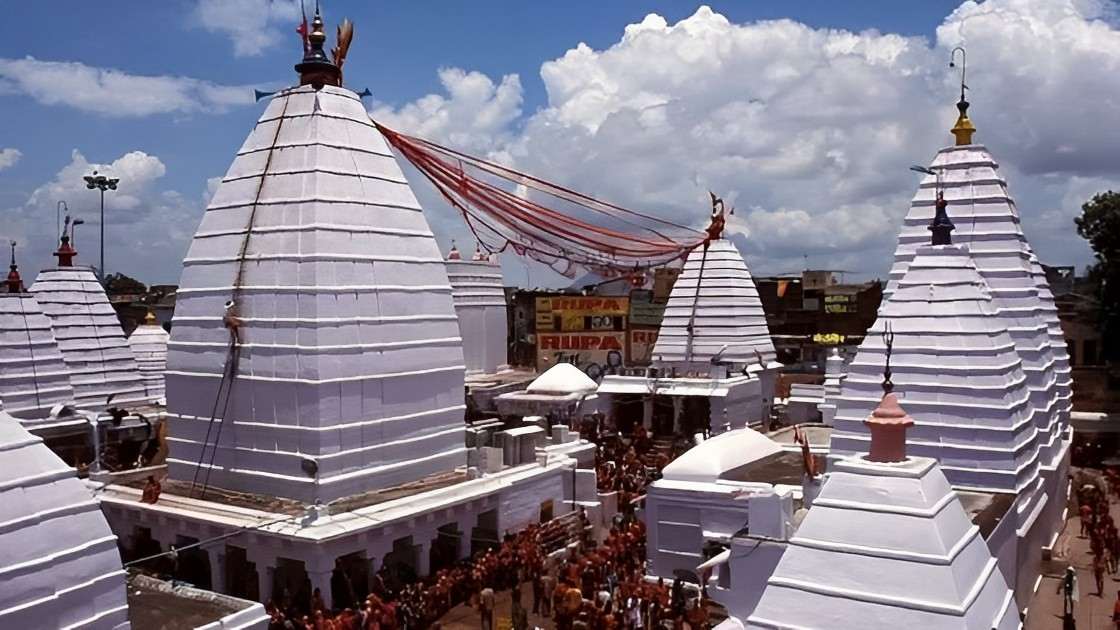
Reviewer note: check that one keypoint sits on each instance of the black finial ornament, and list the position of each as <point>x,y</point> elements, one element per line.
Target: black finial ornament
<point>888,339</point>
<point>942,226</point>
<point>317,69</point>
<point>15,284</point>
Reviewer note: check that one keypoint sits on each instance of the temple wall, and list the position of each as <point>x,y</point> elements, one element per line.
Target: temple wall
<point>511,504</point>
<point>752,563</point>
<point>742,407</point>
<point>521,503</point>
<point>677,520</point>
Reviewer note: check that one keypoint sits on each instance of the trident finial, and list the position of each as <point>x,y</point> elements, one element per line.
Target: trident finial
<point>888,338</point>
<point>13,243</point>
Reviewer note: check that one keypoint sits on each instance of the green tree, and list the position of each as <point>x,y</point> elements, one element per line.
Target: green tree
<point>1099,224</point>
<point>118,283</point>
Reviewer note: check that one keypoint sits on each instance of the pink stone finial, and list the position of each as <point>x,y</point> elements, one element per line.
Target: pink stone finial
<point>454,253</point>
<point>888,424</point>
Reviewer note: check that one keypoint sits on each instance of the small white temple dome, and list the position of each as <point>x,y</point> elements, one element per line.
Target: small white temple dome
<point>562,378</point>
<point>715,457</point>
<point>59,564</point>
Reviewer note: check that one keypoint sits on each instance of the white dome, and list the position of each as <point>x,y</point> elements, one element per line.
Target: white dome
<point>59,564</point>
<point>713,458</point>
<point>562,378</point>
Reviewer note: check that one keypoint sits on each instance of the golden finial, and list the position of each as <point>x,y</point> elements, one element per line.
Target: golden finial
<point>150,318</point>
<point>963,129</point>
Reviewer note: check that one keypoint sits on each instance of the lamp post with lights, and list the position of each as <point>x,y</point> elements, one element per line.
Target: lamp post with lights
<point>102,183</point>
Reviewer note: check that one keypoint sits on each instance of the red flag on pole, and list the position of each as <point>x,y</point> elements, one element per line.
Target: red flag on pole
<point>302,28</point>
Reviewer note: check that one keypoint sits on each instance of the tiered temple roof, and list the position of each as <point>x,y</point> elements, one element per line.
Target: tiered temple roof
<point>33,376</point>
<point>480,305</point>
<point>714,311</point>
<point>957,366</point>
<point>149,345</point>
<point>58,557</point>
<point>887,544</point>
<point>988,222</point>
<point>89,334</point>
<point>314,339</point>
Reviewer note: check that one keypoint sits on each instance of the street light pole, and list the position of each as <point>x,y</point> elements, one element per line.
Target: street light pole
<point>102,183</point>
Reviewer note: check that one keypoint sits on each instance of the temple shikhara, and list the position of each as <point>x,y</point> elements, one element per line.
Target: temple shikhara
<point>344,422</point>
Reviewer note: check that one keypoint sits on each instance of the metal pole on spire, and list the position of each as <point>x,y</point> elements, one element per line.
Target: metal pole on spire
<point>952,64</point>
<point>963,128</point>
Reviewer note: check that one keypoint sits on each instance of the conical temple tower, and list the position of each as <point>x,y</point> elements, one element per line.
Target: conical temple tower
<point>149,344</point>
<point>315,352</point>
<point>887,545</point>
<point>89,334</point>
<point>60,561</point>
<point>956,363</point>
<point>33,376</point>
<point>714,312</point>
<point>987,221</point>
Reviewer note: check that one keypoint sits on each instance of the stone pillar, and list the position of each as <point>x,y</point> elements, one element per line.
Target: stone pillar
<point>264,562</point>
<point>423,558</point>
<point>217,569</point>
<point>647,413</point>
<point>678,405</point>
<point>466,528</point>
<point>320,575</point>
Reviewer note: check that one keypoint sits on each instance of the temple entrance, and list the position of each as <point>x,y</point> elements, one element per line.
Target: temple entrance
<point>241,575</point>
<point>485,534</point>
<point>696,415</point>
<point>143,545</point>
<point>355,566</point>
<point>663,415</point>
<point>628,411</point>
<point>290,584</point>
<point>445,547</point>
<point>402,564</point>
<point>193,565</point>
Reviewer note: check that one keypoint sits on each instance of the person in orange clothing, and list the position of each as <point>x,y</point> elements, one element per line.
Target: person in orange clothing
<point>1116,611</point>
<point>152,490</point>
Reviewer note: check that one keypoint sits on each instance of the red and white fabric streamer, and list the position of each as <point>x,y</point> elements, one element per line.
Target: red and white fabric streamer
<point>559,227</point>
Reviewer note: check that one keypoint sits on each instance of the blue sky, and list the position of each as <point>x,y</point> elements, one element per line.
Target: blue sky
<point>398,51</point>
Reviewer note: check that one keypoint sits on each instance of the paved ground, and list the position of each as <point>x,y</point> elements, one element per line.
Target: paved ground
<point>1093,611</point>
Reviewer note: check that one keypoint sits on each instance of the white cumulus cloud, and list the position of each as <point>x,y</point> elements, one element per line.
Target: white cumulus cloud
<point>9,157</point>
<point>809,131</point>
<point>147,226</point>
<point>115,93</point>
<point>251,25</point>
